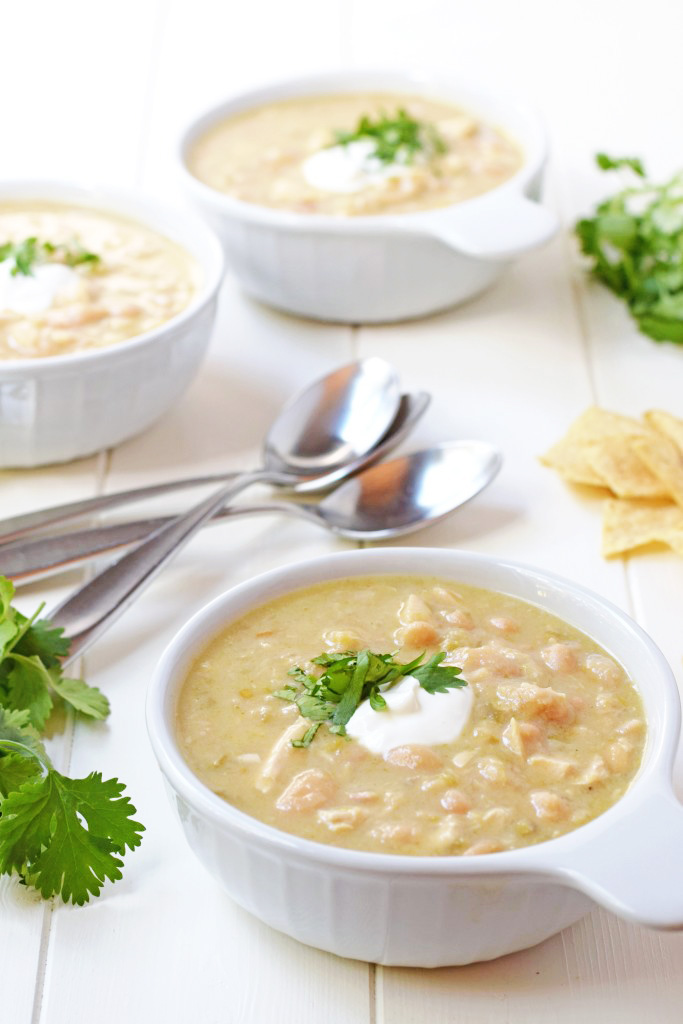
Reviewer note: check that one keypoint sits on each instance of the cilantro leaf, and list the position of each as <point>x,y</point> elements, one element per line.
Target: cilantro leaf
<point>29,253</point>
<point>397,140</point>
<point>437,678</point>
<point>634,244</point>
<point>608,163</point>
<point>66,835</point>
<point>350,678</point>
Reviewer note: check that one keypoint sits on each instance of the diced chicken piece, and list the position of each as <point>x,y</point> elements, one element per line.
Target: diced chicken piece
<point>419,759</point>
<point>307,791</point>
<point>417,634</point>
<point>342,819</point>
<point>483,846</point>
<point>634,727</point>
<point>596,772</point>
<point>342,640</point>
<point>606,670</point>
<point>550,806</point>
<point>462,758</point>
<point>536,702</point>
<point>395,833</point>
<point>414,609</point>
<point>455,801</point>
<point>281,751</point>
<point>619,755</point>
<point>447,598</point>
<point>364,796</point>
<point>461,618</point>
<point>500,661</point>
<point>560,657</point>
<point>553,768</point>
<point>521,737</point>
<point>496,817</point>
<point>492,769</point>
<point>504,624</point>
<point>448,833</point>
<point>246,758</point>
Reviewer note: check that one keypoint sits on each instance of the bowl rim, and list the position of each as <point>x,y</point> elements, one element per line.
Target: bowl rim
<point>135,204</point>
<point>415,80</point>
<point>543,860</point>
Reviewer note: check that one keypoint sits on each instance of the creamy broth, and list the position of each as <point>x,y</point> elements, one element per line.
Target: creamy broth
<point>139,280</point>
<point>554,736</point>
<point>262,156</point>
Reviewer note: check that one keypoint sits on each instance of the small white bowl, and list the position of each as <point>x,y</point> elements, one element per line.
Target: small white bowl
<point>433,911</point>
<point>383,267</point>
<point>63,407</point>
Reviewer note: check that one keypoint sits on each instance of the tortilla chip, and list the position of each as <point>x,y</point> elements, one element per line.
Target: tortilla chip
<point>573,463</point>
<point>631,524</point>
<point>623,471</point>
<point>665,423</point>
<point>664,460</point>
<point>595,424</point>
<point>589,454</point>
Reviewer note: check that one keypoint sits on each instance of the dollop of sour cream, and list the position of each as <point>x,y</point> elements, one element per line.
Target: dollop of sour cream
<point>29,294</point>
<point>412,716</point>
<point>349,168</point>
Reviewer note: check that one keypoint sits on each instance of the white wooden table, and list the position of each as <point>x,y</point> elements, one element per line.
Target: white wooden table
<point>99,91</point>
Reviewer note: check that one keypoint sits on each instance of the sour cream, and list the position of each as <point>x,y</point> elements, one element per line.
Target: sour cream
<point>349,168</point>
<point>412,716</point>
<point>36,292</point>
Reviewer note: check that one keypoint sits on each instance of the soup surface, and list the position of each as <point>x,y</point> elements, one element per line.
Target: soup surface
<point>413,153</point>
<point>551,734</point>
<point>73,279</point>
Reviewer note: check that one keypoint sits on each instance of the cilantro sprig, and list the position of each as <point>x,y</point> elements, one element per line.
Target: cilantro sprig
<point>634,243</point>
<point>30,253</point>
<point>351,677</point>
<point>63,836</point>
<point>397,139</point>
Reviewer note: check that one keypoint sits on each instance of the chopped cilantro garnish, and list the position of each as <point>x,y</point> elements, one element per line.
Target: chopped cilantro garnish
<point>635,244</point>
<point>63,836</point>
<point>29,253</point>
<point>354,676</point>
<point>397,140</point>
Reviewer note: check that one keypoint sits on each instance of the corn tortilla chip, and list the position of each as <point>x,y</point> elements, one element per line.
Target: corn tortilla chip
<point>631,524</point>
<point>623,471</point>
<point>664,460</point>
<point>665,423</point>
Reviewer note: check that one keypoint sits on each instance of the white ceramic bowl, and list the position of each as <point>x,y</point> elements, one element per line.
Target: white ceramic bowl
<point>431,911</point>
<point>63,407</point>
<point>384,267</point>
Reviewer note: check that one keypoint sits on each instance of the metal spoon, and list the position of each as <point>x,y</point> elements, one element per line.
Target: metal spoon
<point>327,427</point>
<point>370,383</point>
<point>383,501</point>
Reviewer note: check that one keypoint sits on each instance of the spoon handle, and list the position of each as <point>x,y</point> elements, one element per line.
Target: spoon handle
<point>19,526</point>
<point>26,560</point>
<point>91,610</point>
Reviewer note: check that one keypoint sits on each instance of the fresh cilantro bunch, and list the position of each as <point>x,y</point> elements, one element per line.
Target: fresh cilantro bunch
<point>63,836</point>
<point>29,253</point>
<point>397,140</point>
<point>354,676</point>
<point>635,245</point>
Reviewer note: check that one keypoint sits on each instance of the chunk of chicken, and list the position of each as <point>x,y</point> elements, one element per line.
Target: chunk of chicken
<point>550,806</point>
<point>536,702</point>
<point>307,791</point>
<point>420,759</point>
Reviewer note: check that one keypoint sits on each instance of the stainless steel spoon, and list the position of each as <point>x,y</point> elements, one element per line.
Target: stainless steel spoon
<point>383,501</point>
<point>330,425</point>
<point>372,386</point>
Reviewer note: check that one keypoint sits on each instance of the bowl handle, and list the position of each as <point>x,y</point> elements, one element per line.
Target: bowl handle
<point>635,869</point>
<point>497,230</point>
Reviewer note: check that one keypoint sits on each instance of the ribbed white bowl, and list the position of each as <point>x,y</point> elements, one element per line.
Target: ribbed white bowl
<point>63,407</point>
<point>384,267</point>
<point>431,911</point>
